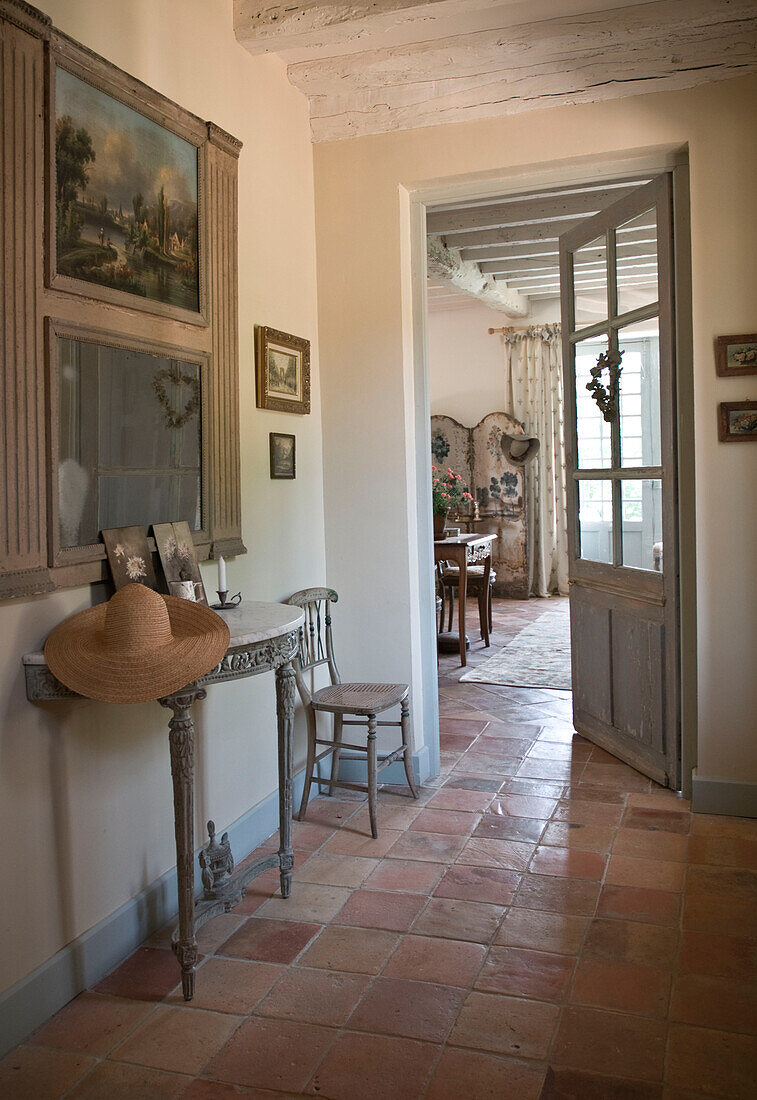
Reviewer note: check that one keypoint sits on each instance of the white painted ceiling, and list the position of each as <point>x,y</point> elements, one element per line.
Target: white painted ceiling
<point>376,66</point>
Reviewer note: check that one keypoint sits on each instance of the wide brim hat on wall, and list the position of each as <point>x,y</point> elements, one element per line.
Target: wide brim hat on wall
<point>520,449</point>
<point>138,646</point>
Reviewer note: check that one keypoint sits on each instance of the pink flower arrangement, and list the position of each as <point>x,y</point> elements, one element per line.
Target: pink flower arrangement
<point>449,491</point>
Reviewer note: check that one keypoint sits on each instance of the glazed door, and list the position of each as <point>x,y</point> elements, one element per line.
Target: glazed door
<point>622,499</point>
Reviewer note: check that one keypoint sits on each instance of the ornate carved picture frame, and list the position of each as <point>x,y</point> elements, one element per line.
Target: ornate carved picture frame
<point>282,371</point>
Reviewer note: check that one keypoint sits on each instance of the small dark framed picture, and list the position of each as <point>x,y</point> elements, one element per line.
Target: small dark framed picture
<point>282,455</point>
<point>737,421</point>
<point>282,371</point>
<point>736,356</point>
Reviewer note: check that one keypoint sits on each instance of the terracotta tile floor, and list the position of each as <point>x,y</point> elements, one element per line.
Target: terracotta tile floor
<point>542,923</point>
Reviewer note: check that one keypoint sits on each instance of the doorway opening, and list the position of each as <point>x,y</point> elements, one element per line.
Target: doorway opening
<point>581,278</point>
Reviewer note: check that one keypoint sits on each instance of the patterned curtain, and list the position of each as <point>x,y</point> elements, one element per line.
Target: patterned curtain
<point>534,394</point>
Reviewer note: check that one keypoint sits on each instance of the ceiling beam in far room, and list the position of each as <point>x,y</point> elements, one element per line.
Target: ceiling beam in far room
<point>553,208</point>
<point>626,254</point>
<point>512,234</point>
<point>464,277</point>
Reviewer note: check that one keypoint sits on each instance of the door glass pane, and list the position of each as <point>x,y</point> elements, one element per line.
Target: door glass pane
<point>640,394</point>
<point>593,436</point>
<point>595,520</point>
<point>636,262</point>
<point>590,282</point>
<point>641,508</point>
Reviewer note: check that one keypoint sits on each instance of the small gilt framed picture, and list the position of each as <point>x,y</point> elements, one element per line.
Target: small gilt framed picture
<point>282,371</point>
<point>737,421</point>
<point>282,455</point>
<point>736,356</point>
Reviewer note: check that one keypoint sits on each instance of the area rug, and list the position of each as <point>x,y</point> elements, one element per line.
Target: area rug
<point>539,657</point>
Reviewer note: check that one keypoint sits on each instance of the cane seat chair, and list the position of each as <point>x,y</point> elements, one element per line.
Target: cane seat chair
<point>361,701</point>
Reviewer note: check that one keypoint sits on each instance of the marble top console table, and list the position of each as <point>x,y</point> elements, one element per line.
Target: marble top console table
<point>264,636</point>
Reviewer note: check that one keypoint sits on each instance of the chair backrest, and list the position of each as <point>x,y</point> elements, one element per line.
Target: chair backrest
<point>316,643</point>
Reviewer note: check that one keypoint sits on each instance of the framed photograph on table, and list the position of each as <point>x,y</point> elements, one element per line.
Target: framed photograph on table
<point>282,371</point>
<point>736,356</point>
<point>737,421</point>
<point>282,448</point>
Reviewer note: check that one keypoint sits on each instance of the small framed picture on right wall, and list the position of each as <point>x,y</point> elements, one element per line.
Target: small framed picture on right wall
<point>736,356</point>
<point>737,421</point>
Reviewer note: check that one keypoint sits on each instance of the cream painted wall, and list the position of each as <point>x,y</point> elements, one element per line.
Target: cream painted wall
<point>85,789</point>
<point>365,387</point>
<point>466,366</point>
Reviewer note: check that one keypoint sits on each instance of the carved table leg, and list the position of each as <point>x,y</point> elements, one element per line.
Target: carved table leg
<point>285,687</point>
<point>181,740</point>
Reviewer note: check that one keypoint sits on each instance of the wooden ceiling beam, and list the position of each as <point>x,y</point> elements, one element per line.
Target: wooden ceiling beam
<point>593,56</point>
<point>555,208</point>
<point>626,255</point>
<point>480,246</point>
<point>515,234</point>
<point>463,277</point>
<point>276,27</point>
<point>526,285</point>
<point>535,250</point>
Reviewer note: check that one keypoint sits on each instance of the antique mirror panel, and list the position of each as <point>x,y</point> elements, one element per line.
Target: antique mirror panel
<point>128,438</point>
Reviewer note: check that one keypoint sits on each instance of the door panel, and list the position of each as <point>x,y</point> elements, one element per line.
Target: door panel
<point>637,688</point>
<point>591,657</point>
<point>622,503</point>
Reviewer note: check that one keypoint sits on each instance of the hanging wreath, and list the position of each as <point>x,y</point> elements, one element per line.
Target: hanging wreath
<point>176,419</point>
<point>607,397</point>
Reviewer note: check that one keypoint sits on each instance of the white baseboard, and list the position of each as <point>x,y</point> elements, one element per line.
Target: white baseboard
<point>723,796</point>
<point>86,960</point>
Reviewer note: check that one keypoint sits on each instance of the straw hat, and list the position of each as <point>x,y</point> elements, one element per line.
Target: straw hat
<point>137,646</point>
<point>520,449</point>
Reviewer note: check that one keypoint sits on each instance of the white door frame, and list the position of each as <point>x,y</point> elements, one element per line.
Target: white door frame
<point>414,199</point>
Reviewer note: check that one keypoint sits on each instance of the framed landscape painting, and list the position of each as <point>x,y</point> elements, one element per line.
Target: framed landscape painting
<point>736,356</point>
<point>282,371</point>
<point>125,214</point>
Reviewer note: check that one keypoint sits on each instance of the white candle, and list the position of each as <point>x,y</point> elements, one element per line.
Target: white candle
<point>222,576</point>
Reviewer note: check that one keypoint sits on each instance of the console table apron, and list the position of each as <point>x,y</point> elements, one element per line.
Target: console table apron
<point>264,636</point>
<point>465,550</point>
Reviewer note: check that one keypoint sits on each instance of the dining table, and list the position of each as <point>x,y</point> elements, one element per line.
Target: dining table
<point>463,551</point>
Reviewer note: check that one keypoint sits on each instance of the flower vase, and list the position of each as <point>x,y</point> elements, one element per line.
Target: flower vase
<point>440,519</point>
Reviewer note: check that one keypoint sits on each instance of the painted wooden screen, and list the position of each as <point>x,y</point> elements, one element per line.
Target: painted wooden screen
<point>476,453</point>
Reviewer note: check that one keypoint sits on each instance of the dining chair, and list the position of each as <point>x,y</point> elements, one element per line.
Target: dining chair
<point>362,701</point>
<point>449,583</point>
